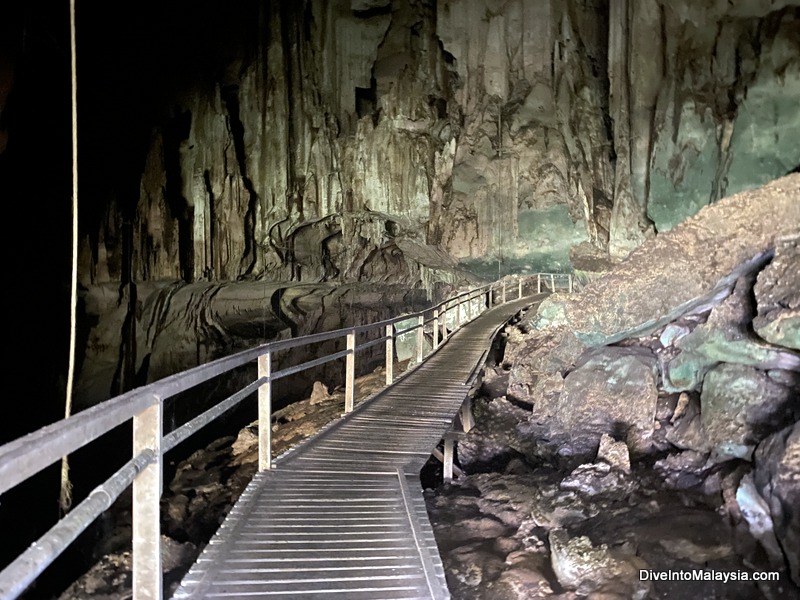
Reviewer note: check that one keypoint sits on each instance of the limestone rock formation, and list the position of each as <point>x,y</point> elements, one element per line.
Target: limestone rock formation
<point>171,326</point>
<point>740,405</point>
<point>613,391</point>
<point>778,296</point>
<point>394,142</point>
<point>581,566</point>
<point>661,352</point>
<point>505,133</point>
<point>777,465</point>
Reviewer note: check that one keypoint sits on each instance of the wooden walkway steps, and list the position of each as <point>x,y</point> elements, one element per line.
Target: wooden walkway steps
<point>342,515</point>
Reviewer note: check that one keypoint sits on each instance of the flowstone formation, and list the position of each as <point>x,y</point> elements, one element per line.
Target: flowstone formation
<point>649,422</point>
<point>167,327</point>
<point>401,142</point>
<point>317,135</point>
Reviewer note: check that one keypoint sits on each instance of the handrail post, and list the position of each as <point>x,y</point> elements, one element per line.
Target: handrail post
<point>519,296</point>
<point>447,474</point>
<point>350,372</point>
<point>435,328</point>
<point>467,422</point>
<point>469,307</point>
<point>552,283</point>
<point>265,413</point>
<point>389,354</point>
<point>538,283</point>
<point>504,292</point>
<point>420,336</point>
<point>147,435</point>
<point>570,282</point>
<point>458,314</point>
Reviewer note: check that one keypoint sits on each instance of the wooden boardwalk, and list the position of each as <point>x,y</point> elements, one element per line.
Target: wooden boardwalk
<point>342,515</point>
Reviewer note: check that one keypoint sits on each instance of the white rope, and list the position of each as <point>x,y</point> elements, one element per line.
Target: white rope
<point>65,499</point>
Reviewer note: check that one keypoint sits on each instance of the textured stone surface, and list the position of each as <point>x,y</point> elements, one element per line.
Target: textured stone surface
<point>778,296</point>
<point>776,478</point>
<point>741,405</point>
<point>614,453</point>
<point>168,327</point>
<point>581,566</point>
<point>612,392</point>
<point>503,132</point>
<point>684,269</point>
<point>726,337</point>
<point>111,578</point>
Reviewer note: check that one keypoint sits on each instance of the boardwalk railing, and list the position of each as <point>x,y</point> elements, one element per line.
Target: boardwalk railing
<point>32,453</point>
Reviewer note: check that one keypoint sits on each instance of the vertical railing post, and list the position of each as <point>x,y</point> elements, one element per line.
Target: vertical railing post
<point>488,298</point>
<point>448,458</point>
<point>389,354</point>
<point>458,313</point>
<point>350,372</point>
<point>467,422</point>
<point>552,283</point>
<point>435,328</point>
<point>538,283</point>
<point>147,434</point>
<point>504,293</point>
<point>519,295</point>
<point>265,413</point>
<point>469,307</point>
<point>570,282</point>
<point>420,336</point>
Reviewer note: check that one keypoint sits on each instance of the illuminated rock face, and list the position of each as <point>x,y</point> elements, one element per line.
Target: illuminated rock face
<point>396,142</point>
<point>687,352</point>
<point>312,136</point>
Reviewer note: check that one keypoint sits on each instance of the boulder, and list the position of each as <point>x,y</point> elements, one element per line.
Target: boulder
<point>613,392</point>
<point>581,566</point>
<point>740,406</point>
<point>614,453</point>
<point>726,336</point>
<point>778,297</point>
<point>687,269</point>
<point>777,479</point>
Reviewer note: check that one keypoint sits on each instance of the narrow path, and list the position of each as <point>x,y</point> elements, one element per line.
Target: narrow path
<point>343,515</point>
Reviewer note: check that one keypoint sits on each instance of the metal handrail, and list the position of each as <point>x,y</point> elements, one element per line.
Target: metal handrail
<point>26,456</point>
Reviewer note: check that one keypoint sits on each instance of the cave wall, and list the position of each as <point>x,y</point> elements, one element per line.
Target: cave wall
<point>505,133</point>
<point>398,143</point>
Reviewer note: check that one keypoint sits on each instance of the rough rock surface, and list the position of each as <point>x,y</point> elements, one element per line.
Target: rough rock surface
<point>659,353</point>
<point>610,392</point>
<point>112,576</point>
<point>520,533</point>
<point>309,142</point>
<point>684,269</point>
<point>777,465</point>
<point>581,566</point>
<point>739,406</point>
<point>778,296</point>
<point>165,327</point>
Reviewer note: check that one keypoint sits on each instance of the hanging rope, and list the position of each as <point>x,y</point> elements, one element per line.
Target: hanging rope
<point>65,499</point>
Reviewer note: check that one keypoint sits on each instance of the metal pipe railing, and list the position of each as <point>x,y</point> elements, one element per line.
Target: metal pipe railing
<point>32,453</point>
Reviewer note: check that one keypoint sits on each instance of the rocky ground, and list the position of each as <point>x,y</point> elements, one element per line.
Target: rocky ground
<point>649,423</point>
<point>513,528</point>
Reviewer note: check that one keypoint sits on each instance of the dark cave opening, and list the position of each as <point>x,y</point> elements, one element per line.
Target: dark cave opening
<point>367,101</point>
